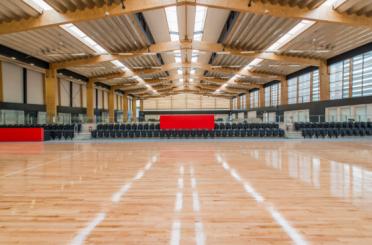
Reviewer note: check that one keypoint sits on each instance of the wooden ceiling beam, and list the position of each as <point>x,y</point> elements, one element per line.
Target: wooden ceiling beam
<point>323,13</point>
<point>165,47</point>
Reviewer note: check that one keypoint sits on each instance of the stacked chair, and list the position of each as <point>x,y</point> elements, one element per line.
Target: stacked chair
<point>51,131</point>
<point>152,130</point>
<point>334,129</point>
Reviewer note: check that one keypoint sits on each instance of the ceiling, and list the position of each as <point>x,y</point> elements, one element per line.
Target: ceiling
<point>130,39</point>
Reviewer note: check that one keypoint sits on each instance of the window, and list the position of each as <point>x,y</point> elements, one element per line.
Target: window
<point>362,75</point>
<point>339,80</point>
<point>292,91</point>
<point>351,77</point>
<point>254,98</point>
<point>243,102</point>
<point>304,88</point>
<point>272,95</point>
<point>235,103</point>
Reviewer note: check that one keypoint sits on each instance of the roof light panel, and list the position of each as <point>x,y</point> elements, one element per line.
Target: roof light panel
<point>200,15</point>
<point>172,19</point>
<point>39,3</point>
<point>80,35</point>
<point>285,39</point>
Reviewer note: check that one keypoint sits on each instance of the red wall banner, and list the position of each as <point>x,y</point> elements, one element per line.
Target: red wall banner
<point>21,134</point>
<point>186,121</point>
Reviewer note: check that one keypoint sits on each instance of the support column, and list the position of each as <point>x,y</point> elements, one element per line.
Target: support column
<point>284,91</point>
<point>231,104</point>
<point>134,109</point>
<point>111,105</point>
<point>125,108</point>
<point>50,84</point>
<point>1,83</point>
<point>324,80</point>
<point>261,97</point>
<point>90,100</point>
<point>141,105</point>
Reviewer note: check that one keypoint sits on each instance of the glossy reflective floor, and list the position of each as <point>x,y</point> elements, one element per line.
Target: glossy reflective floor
<point>287,192</point>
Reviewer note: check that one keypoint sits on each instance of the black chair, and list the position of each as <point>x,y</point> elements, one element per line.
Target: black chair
<point>217,133</point>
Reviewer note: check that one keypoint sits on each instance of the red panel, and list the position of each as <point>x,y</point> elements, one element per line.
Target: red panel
<point>21,134</point>
<point>187,122</point>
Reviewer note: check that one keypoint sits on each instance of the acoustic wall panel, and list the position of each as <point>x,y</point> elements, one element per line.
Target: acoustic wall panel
<point>76,95</point>
<point>35,87</point>
<point>12,83</point>
<point>64,90</point>
<point>84,94</point>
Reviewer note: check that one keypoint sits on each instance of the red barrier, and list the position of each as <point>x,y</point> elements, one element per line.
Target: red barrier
<point>187,122</point>
<point>21,134</point>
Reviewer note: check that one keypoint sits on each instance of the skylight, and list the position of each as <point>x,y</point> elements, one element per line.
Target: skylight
<point>289,36</point>
<point>200,15</point>
<point>286,38</point>
<point>77,33</point>
<point>39,3</point>
<point>120,65</point>
<point>172,19</point>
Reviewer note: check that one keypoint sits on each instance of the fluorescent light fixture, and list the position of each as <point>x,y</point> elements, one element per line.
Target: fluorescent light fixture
<point>179,71</point>
<point>223,52</point>
<point>216,67</point>
<point>247,52</point>
<point>41,4</point>
<point>126,54</point>
<point>194,59</point>
<point>193,71</point>
<point>178,59</point>
<point>82,37</point>
<point>172,19</point>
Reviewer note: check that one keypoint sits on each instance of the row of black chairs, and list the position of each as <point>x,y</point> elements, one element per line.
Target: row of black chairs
<point>245,125</point>
<point>58,134</point>
<point>268,132</point>
<point>335,132</point>
<point>305,125</point>
<point>156,126</point>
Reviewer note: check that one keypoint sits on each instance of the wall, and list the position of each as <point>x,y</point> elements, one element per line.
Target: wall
<point>361,112</point>
<point>186,102</point>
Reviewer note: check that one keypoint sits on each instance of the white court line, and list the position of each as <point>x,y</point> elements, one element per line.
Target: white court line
<point>41,164</point>
<point>275,214</point>
<point>199,233</point>
<point>199,230</point>
<point>180,183</point>
<point>176,233</point>
<point>195,202</point>
<point>80,238</point>
<point>179,202</point>
<point>115,198</point>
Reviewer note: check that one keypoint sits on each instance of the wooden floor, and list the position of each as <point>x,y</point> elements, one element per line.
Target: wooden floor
<point>288,192</point>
